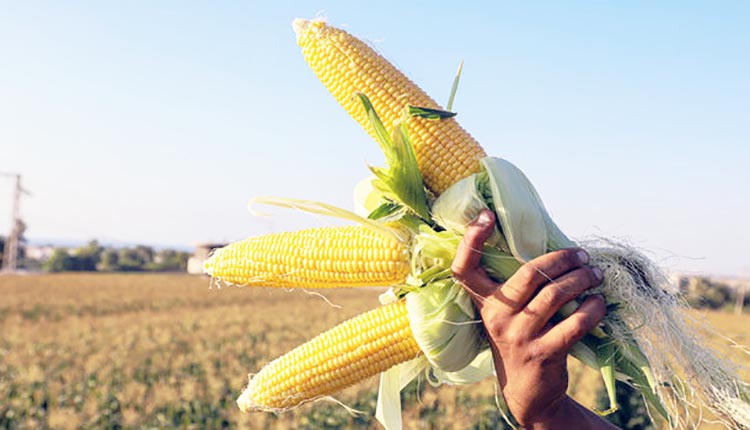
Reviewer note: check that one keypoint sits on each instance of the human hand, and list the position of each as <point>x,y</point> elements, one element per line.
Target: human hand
<point>530,353</point>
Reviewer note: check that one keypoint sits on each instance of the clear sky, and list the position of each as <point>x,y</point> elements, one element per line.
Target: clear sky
<point>155,122</point>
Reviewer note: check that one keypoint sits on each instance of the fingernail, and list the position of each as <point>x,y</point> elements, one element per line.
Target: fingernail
<point>583,256</point>
<point>598,273</point>
<point>484,219</point>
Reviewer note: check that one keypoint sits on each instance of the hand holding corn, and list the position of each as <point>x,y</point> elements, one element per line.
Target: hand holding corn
<point>417,210</point>
<point>530,354</point>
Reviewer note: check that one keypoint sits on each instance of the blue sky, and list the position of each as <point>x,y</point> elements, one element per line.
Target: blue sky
<point>156,122</point>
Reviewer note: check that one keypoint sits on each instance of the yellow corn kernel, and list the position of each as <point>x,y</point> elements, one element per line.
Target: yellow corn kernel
<point>445,152</point>
<point>349,353</point>
<point>348,256</point>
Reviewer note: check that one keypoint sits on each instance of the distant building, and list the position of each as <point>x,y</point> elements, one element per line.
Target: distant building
<point>200,255</point>
<point>40,253</point>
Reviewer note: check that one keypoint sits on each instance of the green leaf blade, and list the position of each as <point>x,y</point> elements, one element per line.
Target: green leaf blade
<point>429,113</point>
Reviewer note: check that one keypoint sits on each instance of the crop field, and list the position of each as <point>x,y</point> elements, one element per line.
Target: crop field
<point>115,351</point>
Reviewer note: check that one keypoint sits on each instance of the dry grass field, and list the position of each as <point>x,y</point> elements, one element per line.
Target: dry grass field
<point>103,351</point>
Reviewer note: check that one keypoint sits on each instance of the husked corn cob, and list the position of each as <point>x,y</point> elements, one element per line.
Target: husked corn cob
<point>324,257</point>
<point>350,352</point>
<point>445,152</point>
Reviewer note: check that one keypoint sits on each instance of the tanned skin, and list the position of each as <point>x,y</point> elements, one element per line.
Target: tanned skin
<point>530,353</point>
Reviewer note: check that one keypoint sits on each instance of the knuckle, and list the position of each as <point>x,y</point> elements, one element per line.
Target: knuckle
<point>599,308</point>
<point>473,236</point>
<point>564,260</point>
<point>537,351</point>
<point>578,330</point>
<point>495,327</point>
<point>572,334</point>
<point>577,282</point>
<point>458,268</point>
<point>514,338</point>
<point>526,275</point>
<point>553,295</point>
<point>462,269</point>
<point>466,278</point>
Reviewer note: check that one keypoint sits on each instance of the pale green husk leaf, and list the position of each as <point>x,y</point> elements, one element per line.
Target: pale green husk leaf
<point>519,213</point>
<point>445,324</point>
<point>367,197</point>
<point>319,208</point>
<point>459,205</point>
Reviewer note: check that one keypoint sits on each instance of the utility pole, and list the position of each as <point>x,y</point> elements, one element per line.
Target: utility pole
<point>10,254</point>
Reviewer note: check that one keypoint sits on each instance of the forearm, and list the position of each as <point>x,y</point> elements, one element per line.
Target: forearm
<point>571,415</point>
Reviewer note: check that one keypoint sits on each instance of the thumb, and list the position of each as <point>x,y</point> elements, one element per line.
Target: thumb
<point>465,267</point>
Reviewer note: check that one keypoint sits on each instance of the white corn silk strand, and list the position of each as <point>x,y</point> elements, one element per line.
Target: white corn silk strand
<point>690,372</point>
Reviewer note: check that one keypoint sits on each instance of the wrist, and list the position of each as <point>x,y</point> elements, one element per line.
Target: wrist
<point>567,414</point>
<point>556,416</point>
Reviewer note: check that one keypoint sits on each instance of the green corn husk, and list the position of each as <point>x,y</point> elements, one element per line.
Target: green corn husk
<point>459,205</point>
<point>646,335</point>
<point>530,232</point>
<point>520,213</point>
<point>443,321</point>
<point>643,336</point>
<point>401,181</point>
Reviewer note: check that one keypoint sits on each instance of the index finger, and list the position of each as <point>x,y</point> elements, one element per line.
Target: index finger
<point>520,287</point>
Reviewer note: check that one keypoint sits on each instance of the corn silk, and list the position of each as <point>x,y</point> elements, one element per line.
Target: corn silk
<point>647,339</point>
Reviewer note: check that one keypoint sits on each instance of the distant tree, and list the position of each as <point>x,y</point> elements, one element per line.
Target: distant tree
<point>703,293</point>
<point>110,261</point>
<point>95,257</point>
<point>169,260</point>
<point>89,256</point>
<point>20,228</point>
<point>131,260</point>
<point>59,261</point>
<point>146,252</point>
<point>84,260</point>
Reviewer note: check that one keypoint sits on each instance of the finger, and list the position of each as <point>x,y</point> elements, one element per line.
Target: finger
<point>465,265</point>
<point>552,296</point>
<point>537,272</point>
<point>560,338</point>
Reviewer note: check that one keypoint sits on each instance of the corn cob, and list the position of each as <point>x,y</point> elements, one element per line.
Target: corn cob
<point>346,256</point>
<point>445,152</point>
<point>338,358</point>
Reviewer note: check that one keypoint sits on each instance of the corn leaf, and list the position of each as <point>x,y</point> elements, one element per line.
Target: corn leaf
<point>387,211</point>
<point>605,357</point>
<point>449,106</point>
<point>401,180</point>
<point>429,113</point>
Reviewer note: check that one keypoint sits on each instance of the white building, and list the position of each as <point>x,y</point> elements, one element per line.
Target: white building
<point>200,255</point>
<point>39,252</point>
